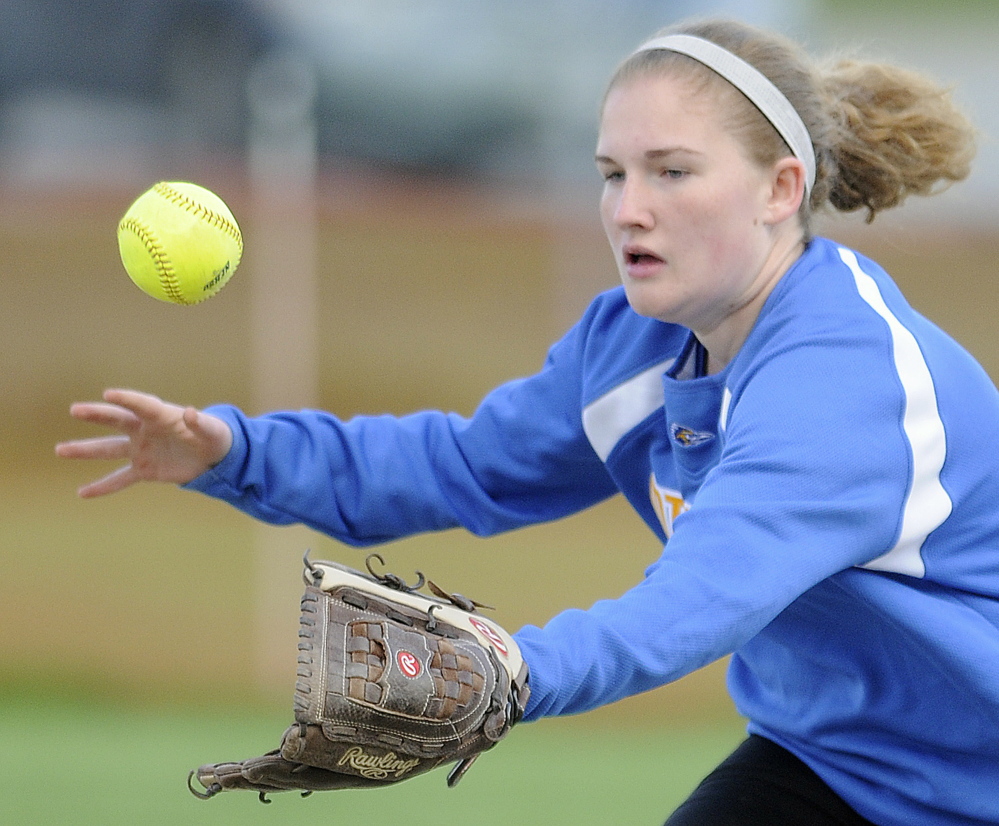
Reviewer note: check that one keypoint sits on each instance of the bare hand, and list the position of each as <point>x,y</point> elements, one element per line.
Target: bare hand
<point>161,442</point>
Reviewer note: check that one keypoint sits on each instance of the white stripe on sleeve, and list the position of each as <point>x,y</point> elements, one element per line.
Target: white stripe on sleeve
<point>607,419</point>
<point>927,504</point>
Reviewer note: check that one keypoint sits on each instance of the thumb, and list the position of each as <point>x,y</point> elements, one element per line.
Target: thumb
<point>214,433</point>
<point>192,419</point>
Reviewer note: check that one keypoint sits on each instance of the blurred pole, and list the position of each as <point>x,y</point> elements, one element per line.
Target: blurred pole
<point>284,321</point>
<point>580,258</point>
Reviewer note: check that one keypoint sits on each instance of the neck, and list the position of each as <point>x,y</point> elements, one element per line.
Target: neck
<point>726,339</point>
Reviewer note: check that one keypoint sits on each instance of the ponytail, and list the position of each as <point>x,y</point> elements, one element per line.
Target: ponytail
<point>898,134</point>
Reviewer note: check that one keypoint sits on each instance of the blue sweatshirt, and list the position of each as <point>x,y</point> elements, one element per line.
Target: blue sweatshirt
<point>828,504</point>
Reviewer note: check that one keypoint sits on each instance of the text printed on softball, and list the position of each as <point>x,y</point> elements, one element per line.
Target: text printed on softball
<point>221,274</point>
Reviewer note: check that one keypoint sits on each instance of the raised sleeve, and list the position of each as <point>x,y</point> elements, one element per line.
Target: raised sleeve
<point>521,458</point>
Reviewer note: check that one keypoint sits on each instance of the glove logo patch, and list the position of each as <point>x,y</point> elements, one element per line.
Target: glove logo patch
<point>409,665</point>
<point>490,634</point>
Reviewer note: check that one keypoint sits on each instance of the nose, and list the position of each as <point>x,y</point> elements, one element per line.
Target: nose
<point>630,206</point>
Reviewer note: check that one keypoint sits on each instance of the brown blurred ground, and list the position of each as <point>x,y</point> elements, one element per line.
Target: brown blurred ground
<point>429,296</point>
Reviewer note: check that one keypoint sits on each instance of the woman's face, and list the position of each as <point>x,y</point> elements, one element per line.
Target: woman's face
<point>687,213</point>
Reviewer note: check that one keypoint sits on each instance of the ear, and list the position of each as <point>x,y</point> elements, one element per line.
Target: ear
<point>787,190</point>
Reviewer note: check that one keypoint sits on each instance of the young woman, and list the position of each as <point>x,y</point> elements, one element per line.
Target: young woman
<point>818,458</point>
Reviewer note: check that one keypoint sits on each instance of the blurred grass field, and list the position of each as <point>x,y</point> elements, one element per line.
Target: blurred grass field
<point>84,762</point>
<point>131,626</point>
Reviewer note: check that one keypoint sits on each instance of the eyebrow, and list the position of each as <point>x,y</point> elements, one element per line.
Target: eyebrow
<point>655,154</point>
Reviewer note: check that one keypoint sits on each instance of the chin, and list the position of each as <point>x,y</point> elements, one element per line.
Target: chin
<point>650,306</point>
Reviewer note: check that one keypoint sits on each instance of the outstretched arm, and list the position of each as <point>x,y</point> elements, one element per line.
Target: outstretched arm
<point>161,442</point>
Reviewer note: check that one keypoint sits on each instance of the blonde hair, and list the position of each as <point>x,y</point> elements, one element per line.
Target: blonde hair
<point>880,132</point>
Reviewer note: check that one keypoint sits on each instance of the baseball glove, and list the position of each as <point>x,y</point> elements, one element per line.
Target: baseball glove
<point>391,684</point>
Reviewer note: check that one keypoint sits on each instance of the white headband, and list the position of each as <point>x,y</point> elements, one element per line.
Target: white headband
<point>766,97</point>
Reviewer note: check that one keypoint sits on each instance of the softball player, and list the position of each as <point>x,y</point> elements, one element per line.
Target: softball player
<point>818,459</point>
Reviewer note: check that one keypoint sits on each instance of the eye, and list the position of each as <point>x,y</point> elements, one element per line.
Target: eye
<point>673,174</point>
<point>612,175</point>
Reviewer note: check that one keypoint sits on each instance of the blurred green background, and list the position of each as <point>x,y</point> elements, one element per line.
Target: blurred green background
<point>153,631</point>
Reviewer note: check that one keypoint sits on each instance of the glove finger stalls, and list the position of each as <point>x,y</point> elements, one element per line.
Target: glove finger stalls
<point>270,773</point>
<point>216,778</point>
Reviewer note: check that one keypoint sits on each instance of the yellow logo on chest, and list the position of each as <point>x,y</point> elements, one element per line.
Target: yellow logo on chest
<point>667,503</point>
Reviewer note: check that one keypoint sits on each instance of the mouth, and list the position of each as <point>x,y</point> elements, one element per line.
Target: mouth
<point>641,262</point>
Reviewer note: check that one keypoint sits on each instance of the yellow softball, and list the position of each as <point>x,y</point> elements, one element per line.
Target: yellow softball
<point>179,242</point>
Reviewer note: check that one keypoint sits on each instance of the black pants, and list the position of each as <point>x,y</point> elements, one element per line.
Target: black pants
<point>762,784</point>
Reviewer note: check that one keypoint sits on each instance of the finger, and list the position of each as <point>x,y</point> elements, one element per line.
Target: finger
<point>102,447</point>
<point>112,483</point>
<point>144,405</point>
<point>109,415</point>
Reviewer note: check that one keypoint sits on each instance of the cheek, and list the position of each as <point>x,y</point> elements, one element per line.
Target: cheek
<point>703,237</point>
<point>608,206</point>
<point>730,231</point>
<point>727,245</point>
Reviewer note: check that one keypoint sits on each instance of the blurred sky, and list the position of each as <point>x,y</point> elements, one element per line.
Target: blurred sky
<point>132,90</point>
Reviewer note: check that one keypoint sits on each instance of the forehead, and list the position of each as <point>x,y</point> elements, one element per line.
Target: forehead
<point>662,107</point>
